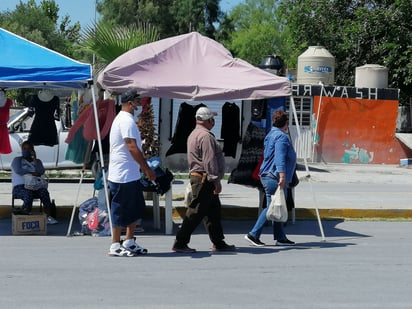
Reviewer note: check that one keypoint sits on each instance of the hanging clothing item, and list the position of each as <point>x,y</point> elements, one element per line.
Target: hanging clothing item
<point>5,146</point>
<point>106,112</point>
<point>185,124</point>
<point>77,148</point>
<point>273,105</point>
<point>252,149</point>
<point>68,115</point>
<point>230,130</point>
<point>43,131</point>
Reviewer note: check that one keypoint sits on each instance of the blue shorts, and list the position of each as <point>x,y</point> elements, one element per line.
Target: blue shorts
<point>127,204</point>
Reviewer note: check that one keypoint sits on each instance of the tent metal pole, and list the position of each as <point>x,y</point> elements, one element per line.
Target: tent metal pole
<point>75,203</point>
<point>317,122</point>
<point>295,115</point>
<point>292,103</point>
<point>99,142</point>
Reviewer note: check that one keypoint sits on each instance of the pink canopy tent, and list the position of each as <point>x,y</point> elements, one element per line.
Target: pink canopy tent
<point>190,67</point>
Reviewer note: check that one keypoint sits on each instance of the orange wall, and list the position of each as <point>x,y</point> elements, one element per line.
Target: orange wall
<point>357,131</point>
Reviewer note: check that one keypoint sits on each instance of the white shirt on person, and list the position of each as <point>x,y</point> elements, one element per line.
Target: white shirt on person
<point>122,167</point>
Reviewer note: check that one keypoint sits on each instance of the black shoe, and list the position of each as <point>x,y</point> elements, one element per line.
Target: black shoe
<point>21,211</point>
<point>224,247</point>
<point>285,242</point>
<point>254,240</point>
<point>183,249</point>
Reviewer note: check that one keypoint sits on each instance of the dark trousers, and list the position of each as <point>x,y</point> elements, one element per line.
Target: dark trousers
<point>205,206</point>
<point>20,192</point>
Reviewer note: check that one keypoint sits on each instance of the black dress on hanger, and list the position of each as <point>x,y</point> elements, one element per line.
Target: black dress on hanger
<point>43,131</point>
<point>230,131</point>
<point>185,124</point>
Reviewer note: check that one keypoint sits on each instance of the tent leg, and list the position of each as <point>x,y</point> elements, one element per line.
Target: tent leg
<point>293,211</point>
<point>314,144</point>
<point>168,212</point>
<point>75,204</point>
<point>292,104</point>
<point>99,143</point>
<point>317,212</point>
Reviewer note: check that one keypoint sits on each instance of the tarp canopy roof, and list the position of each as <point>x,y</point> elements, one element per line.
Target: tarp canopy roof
<point>190,67</point>
<point>25,64</point>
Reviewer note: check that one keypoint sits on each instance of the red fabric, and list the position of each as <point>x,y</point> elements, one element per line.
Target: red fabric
<point>145,101</point>
<point>93,219</point>
<point>255,174</point>
<point>106,111</point>
<point>5,146</point>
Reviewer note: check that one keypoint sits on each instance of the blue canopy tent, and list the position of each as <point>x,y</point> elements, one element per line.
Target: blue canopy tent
<point>25,64</point>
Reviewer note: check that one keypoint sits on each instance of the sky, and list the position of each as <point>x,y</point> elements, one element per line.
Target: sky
<point>83,11</point>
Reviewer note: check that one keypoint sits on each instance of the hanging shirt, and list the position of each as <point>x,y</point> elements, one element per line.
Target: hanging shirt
<point>43,131</point>
<point>106,112</point>
<point>5,146</point>
<point>230,131</point>
<point>185,124</point>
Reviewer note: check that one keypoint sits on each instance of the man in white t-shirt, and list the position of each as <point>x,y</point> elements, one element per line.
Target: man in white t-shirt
<point>126,161</point>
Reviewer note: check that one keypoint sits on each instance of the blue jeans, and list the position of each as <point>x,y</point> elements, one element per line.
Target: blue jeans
<point>269,185</point>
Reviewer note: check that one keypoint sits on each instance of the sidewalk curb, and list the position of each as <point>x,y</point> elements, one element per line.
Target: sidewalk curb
<point>247,213</point>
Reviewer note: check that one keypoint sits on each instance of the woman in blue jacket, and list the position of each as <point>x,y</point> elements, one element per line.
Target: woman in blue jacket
<point>278,166</point>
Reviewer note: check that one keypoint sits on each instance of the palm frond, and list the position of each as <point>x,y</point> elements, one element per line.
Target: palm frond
<point>107,42</point>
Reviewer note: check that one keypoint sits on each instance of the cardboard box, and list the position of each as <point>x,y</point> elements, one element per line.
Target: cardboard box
<point>34,224</point>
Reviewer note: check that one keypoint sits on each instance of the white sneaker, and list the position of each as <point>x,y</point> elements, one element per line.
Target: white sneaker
<point>118,250</point>
<point>131,245</point>
<point>51,220</point>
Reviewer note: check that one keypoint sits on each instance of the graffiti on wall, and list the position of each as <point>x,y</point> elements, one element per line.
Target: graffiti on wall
<point>356,155</point>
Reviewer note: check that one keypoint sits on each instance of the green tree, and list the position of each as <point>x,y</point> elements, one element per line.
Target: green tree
<point>356,33</point>
<point>170,17</point>
<point>195,15</point>
<point>39,23</point>
<point>107,42</point>
<point>252,30</point>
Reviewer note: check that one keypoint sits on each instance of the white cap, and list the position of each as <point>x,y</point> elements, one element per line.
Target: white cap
<point>203,113</point>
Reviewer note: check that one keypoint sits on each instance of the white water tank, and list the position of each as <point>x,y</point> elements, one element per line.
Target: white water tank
<point>316,65</point>
<point>371,76</point>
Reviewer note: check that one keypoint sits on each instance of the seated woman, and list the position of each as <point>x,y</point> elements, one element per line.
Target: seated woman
<point>29,164</point>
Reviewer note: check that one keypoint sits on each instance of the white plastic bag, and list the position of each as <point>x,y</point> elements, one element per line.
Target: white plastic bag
<point>188,198</point>
<point>34,183</point>
<point>278,210</point>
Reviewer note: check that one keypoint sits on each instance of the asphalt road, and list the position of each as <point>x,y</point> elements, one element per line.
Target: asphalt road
<point>359,264</point>
<point>362,264</point>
